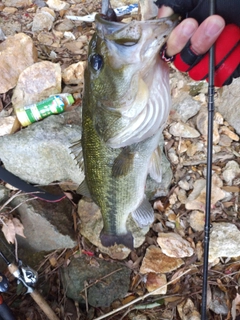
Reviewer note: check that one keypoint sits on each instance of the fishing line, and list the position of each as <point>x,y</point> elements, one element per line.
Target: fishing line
<point>209,172</point>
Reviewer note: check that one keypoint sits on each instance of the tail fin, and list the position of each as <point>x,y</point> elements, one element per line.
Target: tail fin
<point>109,240</point>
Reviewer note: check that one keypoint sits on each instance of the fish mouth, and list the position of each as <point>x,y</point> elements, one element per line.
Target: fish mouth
<point>130,33</point>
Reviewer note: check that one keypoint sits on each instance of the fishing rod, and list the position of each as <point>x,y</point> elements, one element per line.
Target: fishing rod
<point>207,226</point>
<point>28,277</point>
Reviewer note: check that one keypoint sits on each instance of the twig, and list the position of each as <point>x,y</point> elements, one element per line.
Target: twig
<point>78,310</point>
<point>9,200</point>
<point>98,280</point>
<point>16,249</point>
<point>86,295</point>
<point>140,298</point>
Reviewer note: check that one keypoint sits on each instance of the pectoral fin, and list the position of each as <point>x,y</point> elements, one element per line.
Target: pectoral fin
<point>155,167</point>
<point>76,150</point>
<point>123,163</point>
<point>144,214</point>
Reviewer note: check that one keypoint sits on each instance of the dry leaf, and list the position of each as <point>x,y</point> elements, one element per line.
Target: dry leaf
<point>235,306</point>
<point>53,261</point>
<point>6,124</point>
<point>11,228</point>
<point>18,227</point>
<point>187,311</point>
<point>156,280</point>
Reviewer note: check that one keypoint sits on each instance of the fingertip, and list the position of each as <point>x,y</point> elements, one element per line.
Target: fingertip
<point>180,36</point>
<point>165,12</point>
<point>213,25</point>
<point>215,19</point>
<point>207,33</point>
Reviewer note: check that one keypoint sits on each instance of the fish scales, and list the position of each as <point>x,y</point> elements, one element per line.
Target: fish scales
<point>120,99</point>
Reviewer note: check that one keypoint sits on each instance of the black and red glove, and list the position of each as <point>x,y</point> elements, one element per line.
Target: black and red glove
<point>227,46</point>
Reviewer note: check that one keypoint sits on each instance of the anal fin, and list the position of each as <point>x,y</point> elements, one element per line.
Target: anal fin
<point>144,214</point>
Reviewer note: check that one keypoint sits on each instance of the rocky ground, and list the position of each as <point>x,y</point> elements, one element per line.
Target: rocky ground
<point>80,279</point>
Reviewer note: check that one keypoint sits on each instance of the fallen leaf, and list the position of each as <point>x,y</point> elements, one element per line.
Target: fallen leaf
<point>235,306</point>
<point>18,227</point>
<point>156,280</point>
<point>12,227</point>
<point>187,310</point>
<point>8,230</point>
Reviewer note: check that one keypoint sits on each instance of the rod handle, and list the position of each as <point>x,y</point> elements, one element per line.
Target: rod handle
<point>37,297</point>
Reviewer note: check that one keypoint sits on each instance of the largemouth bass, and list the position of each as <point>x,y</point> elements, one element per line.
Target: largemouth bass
<point>125,106</point>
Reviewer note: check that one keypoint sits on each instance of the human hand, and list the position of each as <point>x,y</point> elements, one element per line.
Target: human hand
<point>189,55</point>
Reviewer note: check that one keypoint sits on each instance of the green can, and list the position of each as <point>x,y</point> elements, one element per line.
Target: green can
<point>53,105</point>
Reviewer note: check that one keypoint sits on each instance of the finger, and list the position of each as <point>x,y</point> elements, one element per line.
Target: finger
<point>180,36</point>
<point>165,12</point>
<point>207,33</point>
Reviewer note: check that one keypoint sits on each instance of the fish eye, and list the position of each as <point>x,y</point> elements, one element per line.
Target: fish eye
<point>96,61</point>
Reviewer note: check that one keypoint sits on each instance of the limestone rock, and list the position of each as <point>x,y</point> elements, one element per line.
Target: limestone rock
<point>64,25</point>
<point>58,5</point>
<point>224,241</point>
<point>231,171</point>
<point>156,261</point>
<point>229,103</point>
<point>202,125</point>
<point>186,109</point>
<point>10,10</point>
<point>74,73</point>
<point>229,133</point>
<point>10,27</point>
<point>92,224</point>
<point>195,147</point>
<point>43,20</point>
<point>84,271</point>
<point>183,130</point>
<point>74,46</point>
<point>197,220</point>
<point>47,226</point>
<point>16,54</point>
<point>41,153</point>
<point>173,245</point>
<point>196,199</point>
<point>17,3</point>
<point>36,83</point>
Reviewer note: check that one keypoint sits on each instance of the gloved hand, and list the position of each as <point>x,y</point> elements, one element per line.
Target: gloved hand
<point>227,52</point>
